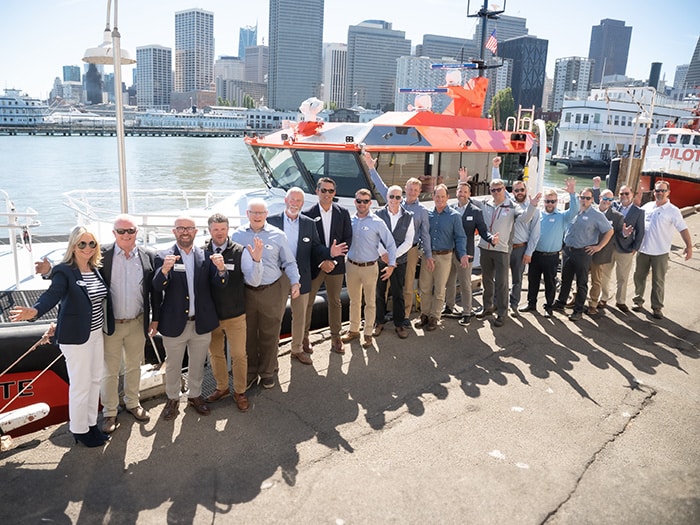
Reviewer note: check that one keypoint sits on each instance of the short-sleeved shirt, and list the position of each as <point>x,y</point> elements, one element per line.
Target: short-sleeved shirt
<point>586,228</point>
<point>661,222</point>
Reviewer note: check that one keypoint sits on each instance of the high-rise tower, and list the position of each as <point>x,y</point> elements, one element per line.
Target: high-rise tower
<point>247,37</point>
<point>154,77</point>
<point>296,47</point>
<point>194,50</point>
<point>609,47</point>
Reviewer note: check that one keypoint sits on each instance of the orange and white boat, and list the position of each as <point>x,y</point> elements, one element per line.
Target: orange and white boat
<point>674,156</point>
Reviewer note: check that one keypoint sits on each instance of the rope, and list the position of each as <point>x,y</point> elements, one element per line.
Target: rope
<point>59,356</point>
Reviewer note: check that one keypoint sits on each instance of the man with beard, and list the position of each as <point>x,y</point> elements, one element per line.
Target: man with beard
<point>526,234</point>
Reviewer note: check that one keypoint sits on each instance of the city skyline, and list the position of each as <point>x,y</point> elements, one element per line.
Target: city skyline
<point>33,72</point>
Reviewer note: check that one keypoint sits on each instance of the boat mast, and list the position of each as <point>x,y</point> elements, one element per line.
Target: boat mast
<point>485,14</point>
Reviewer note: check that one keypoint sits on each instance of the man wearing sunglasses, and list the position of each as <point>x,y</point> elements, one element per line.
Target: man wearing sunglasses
<point>369,233</point>
<point>545,258</point>
<point>589,232</point>
<point>662,220</point>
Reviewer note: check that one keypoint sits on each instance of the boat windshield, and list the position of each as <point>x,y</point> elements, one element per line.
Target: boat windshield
<point>287,168</point>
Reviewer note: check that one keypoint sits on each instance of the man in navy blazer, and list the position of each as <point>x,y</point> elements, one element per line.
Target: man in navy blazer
<point>310,252</point>
<point>334,226</point>
<point>128,271</point>
<point>187,313</point>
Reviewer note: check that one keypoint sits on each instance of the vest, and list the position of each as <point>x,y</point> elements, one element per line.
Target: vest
<point>399,233</point>
<point>229,300</point>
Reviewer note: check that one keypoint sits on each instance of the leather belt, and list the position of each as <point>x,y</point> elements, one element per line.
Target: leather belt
<point>124,321</point>
<point>261,287</point>
<point>547,254</point>
<point>576,249</point>
<point>520,245</point>
<point>190,318</point>
<point>370,263</point>
<point>441,252</point>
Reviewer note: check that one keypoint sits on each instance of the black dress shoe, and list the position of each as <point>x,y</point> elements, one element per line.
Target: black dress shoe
<point>95,430</point>
<point>89,439</point>
<point>171,409</point>
<point>199,405</point>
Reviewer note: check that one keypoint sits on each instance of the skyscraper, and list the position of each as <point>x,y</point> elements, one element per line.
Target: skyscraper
<point>506,27</point>
<point>609,47</point>
<point>247,37</point>
<point>529,55</point>
<point>71,73</point>
<point>692,77</point>
<point>296,40</point>
<point>437,47</point>
<point>194,50</point>
<point>373,47</point>
<point>154,77</point>
<point>335,58</point>
<point>572,80</point>
<point>257,64</point>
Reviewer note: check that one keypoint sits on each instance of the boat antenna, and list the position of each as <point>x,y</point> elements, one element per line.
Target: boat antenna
<point>485,14</point>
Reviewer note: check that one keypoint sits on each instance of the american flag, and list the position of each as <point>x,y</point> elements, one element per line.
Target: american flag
<point>492,43</point>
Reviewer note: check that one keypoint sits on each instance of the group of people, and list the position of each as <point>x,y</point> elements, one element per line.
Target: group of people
<point>233,291</point>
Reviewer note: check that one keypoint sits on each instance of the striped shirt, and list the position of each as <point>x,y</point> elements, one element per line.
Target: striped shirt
<point>97,291</point>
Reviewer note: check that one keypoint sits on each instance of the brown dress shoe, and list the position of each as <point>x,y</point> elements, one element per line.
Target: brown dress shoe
<point>199,405</point>
<point>401,332</point>
<point>367,342</point>
<point>350,336</point>
<point>109,424</point>
<point>218,394</point>
<point>432,324</point>
<point>423,321</point>
<point>592,310</point>
<point>377,329</point>
<point>337,345</point>
<point>623,308</point>
<point>306,346</point>
<point>171,409</point>
<point>602,304</point>
<point>302,357</point>
<point>140,413</point>
<point>241,402</point>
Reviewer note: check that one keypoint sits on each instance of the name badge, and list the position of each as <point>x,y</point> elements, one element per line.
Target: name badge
<point>306,239</point>
<point>80,283</point>
<point>552,220</point>
<point>230,266</point>
<point>178,267</point>
<point>470,218</point>
<point>364,228</point>
<point>316,219</point>
<point>269,247</point>
<point>584,217</point>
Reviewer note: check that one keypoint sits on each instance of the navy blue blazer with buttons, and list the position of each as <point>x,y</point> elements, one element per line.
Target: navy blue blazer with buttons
<point>473,219</point>
<point>310,248</point>
<point>175,304</point>
<point>341,232</point>
<point>151,299</point>
<point>75,310</point>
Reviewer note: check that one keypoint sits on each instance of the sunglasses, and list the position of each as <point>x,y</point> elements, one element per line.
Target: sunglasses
<point>397,197</point>
<point>122,231</point>
<point>519,190</point>
<point>362,201</point>
<point>327,190</point>
<point>585,198</point>
<point>82,245</point>
<point>660,191</point>
<point>624,193</point>
<point>182,229</point>
<point>607,199</point>
<point>550,202</point>
<point>496,190</point>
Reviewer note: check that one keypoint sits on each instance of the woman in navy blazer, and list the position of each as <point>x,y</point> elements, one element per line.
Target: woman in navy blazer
<point>82,293</point>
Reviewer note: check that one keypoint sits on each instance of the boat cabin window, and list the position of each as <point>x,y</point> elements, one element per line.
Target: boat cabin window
<point>672,139</point>
<point>342,166</point>
<point>696,140</point>
<point>685,139</point>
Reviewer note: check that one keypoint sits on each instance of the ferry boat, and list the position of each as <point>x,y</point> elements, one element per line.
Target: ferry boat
<point>18,110</point>
<point>674,156</point>
<point>594,131</point>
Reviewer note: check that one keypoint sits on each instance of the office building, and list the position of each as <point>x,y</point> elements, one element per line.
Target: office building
<point>529,55</point>
<point>194,50</point>
<point>609,48</point>
<point>572,81</point>
<point>692,77</point>
<point>229,68</point>
<point>71,73</point>
<point>335,57</point>
<point>296,48</point>
<point>154,77</point>
<point>247,37</point>
<point>416,73</point>
<point>506,27</point>
<point>257,64</point>
<point>438,47</point>
<point>373,48</point>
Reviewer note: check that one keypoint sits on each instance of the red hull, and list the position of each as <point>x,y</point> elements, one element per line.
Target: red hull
<point>684,191</point>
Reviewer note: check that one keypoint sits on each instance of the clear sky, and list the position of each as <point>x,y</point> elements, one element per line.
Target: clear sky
<point>38,37</point>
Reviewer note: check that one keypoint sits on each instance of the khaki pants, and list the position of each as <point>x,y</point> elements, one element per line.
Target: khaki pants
<point>623,267</point>
<point>334,286</point>
<point>124,345</point>
<point>263,310</point>
<point>299,307</point>
<point>362,280</point>
<point>409,287</point>
<point>232,332</point>
<point>464,275</point>
<point>433,285</point>
<point>196,346</point>
<point>658,264</point>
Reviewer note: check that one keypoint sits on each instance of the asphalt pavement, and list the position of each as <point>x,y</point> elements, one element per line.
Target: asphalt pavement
<point>540,421</point>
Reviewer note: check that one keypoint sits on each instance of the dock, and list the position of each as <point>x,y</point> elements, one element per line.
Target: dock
<point>68,130</point>
<point>542,421</point>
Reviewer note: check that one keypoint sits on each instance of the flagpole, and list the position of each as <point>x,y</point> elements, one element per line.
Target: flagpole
<point>485,14</point>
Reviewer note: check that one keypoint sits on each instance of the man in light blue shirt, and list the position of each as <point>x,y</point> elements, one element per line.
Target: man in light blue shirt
<point>545,258</point>
<point>369,232</point>
<point>265,302</point>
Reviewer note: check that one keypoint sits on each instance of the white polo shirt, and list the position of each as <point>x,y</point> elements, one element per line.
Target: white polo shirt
<point>661,223</point>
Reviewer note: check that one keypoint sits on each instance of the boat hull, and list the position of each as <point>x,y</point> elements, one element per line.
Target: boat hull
<point>685,191</point>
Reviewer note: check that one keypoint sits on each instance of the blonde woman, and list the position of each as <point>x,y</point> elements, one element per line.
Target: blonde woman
<point>78,287</point>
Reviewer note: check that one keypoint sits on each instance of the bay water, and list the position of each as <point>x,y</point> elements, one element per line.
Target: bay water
<point>36,170</point>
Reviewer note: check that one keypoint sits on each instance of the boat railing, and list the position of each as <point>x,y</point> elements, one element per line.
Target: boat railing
<point>154,210</point>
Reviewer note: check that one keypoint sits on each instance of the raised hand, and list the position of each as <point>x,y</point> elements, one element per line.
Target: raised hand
<point>536,199</point>
<point>256,250</point>
<point>168,263</point>
<point>627,229</point>
<point>371,163</point>
<point>571,185</point>
<point>464,175</point>
<point>42,267</point>
<point>496,161</point>
<point>218,261</point>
